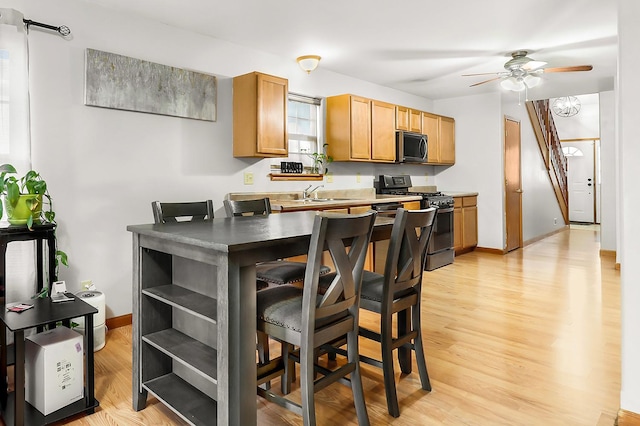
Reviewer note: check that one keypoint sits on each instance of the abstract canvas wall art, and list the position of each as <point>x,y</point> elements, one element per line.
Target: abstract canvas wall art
<point>120,82</point>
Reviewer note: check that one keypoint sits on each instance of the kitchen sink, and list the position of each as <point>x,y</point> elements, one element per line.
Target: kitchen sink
<point>319,200</point>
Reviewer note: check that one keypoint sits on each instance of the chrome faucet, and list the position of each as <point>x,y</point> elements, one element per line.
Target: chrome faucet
<point>307,194</point>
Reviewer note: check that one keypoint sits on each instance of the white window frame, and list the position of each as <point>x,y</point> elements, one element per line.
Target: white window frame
<point>319,138</point>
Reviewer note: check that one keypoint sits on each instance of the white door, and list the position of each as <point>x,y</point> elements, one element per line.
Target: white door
<point>581,180</point>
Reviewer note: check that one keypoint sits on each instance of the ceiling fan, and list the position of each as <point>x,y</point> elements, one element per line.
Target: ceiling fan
<point>522,72</point>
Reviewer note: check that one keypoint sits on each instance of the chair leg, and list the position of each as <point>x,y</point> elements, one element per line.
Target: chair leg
<point>356,379</point>
<point>307,358</point>
<point>419,348</point>
<point>289,369</point>
<point>386,338</point>
<point>263,352</point>
<point>404,354</point>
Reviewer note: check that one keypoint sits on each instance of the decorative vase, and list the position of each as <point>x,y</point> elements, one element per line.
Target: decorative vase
<point>27,205</point>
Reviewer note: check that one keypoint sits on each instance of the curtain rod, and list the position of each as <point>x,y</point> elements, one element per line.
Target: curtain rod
<point>62,29</point>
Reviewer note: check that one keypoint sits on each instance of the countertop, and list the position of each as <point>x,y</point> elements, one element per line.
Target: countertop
<point>460,194</point>
<point>332,199</point>
<point>340,198</point>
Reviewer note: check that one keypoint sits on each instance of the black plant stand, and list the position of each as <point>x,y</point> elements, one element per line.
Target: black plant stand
<point>45,312</point>
<point>39,233</point>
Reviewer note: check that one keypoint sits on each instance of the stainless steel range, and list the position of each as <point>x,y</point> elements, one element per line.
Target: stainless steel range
<point>440,251</point>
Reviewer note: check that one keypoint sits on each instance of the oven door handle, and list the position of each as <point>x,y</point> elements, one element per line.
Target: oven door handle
<point>447,210</point>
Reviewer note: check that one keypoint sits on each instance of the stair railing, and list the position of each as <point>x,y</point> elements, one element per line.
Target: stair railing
<point>556,163</point>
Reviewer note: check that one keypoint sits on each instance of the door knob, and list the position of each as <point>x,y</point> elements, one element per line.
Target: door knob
<point>519,191</point>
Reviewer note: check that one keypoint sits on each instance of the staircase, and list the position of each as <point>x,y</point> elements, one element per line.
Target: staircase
<point>549,143</point>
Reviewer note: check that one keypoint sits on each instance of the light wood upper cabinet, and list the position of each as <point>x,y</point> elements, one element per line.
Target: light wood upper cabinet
<point>383,135</point>
<point>359,129</point>
<point>402,118</point>
<point>440,131</point>
<point>415,121</point>
<point>409,120</point>
<point>431,129</point>
<point>260,116</point>
<point>447,140</point>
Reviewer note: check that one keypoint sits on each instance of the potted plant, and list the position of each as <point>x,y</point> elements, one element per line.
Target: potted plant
<point>24,198</point>
<point>320,161</point>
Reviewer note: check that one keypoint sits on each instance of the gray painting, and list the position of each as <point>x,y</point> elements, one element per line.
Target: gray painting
<point>120,82</point>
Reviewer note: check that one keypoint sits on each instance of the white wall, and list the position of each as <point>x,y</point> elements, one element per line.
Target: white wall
<point>607,172</point>
<point>104,167</point>
<point>629,196</point>
<point>479,154</point>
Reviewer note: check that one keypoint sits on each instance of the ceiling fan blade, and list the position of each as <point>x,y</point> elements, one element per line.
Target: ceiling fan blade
<point>482,73</point>
<point>569,69</point>
<point>486,81</point>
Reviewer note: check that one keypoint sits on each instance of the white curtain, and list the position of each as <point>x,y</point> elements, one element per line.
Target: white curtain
<point>15,141</point>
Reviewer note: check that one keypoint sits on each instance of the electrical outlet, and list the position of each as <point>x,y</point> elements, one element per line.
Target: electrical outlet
<point>358,177</point>
<point>329,177</point>
<point>248,178</point>
<point>555,220</point>
<point>426,177</point>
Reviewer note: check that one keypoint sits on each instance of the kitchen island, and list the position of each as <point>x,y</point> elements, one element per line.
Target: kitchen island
<point>194,310</point>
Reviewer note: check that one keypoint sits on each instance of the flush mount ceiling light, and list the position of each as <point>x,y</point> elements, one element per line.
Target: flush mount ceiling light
<point>567,106</point>
<point>308,63</point>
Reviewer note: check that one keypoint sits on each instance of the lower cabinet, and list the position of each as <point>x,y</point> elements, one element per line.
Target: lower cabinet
<point>465,224</point>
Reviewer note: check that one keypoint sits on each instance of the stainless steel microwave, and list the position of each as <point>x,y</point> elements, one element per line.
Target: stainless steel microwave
<point>411,147</point>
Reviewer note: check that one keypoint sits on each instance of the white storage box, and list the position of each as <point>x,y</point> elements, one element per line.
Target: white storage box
<point>54,369</point>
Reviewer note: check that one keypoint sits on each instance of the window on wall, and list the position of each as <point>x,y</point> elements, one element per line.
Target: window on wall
<point>304,116</point>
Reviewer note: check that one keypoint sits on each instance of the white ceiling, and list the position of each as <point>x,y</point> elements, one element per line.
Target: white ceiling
<point>416,46</point>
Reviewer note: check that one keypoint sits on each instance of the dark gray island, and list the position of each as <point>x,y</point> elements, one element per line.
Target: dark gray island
<point>194,310</point>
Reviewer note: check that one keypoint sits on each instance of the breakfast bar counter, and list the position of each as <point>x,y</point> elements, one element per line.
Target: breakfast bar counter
<point>194,310</point>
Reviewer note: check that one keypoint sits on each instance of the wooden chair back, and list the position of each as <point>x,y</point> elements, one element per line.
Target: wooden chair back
<point>346,238</point>
<point>182,212</point>
<point>259,207</point>
<point>407,253</point>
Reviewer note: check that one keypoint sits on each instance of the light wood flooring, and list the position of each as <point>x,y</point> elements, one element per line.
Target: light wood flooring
<point>528,338</point>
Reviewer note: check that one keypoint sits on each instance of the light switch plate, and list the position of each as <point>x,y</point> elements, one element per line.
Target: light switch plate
<point>248,178</point>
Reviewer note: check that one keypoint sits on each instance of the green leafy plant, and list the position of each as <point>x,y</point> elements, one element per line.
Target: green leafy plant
<point>12,187</point>
<point>321,160</point>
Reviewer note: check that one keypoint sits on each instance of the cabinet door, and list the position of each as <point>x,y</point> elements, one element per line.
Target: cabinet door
<point>415,120</point>
<point>469,221</point>
<point>360,128</point>
<point>411,205</point>
<point>272,115</point>
<point>383,135</point>
<point>457,223</point>
<point>447,140</point>
<point>430,128</point>
<point>470,226</point>
<point>402,118</point>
